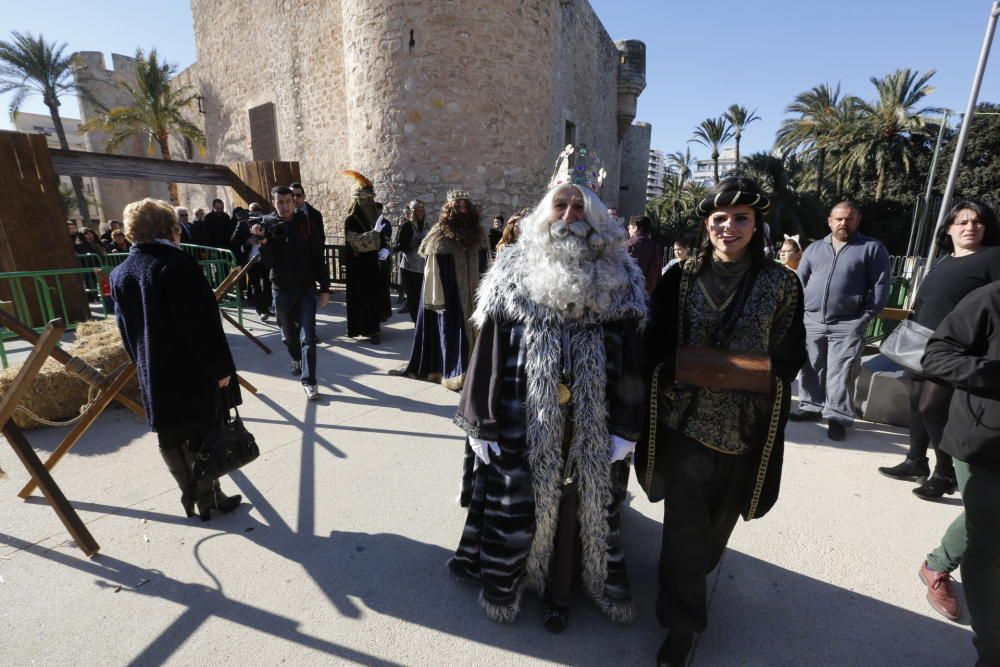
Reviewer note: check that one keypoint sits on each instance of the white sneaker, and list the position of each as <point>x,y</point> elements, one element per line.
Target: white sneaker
<point>311,392</point>
<point>296,367</point>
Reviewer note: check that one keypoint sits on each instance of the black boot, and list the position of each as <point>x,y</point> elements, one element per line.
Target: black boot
<point>675,649</point>
<point>210,496</point>
<point>178,466</point>
<point>909,470</point>
<point>935,487</point>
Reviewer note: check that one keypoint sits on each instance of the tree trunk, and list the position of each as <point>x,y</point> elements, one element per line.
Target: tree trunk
<point>81,199</point>
<point>715,166</point>
<point>880,185</point>
<point>164,141</point>
<point>737,153</point>
<point>820,169</point>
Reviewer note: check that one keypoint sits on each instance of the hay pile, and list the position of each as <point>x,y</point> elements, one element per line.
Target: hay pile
<point>56,395</point>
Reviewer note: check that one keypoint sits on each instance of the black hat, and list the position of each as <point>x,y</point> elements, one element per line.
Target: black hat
<point>735,191</point>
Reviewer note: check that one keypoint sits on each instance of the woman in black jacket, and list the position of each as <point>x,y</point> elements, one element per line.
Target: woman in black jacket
<point>171,328</point>
<point>965,352</point>
<point>970,238</point>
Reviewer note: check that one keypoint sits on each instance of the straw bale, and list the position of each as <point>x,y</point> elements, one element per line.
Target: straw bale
<point>56,395</point>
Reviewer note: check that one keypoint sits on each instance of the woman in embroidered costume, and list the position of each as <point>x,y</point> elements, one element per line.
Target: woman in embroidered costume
<point>552,406</point>
<point>714,448</point>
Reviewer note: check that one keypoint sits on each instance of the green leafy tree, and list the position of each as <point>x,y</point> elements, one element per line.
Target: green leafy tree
<point>680,166</point>
<point>884,139</point>
<point>713,133</point>
<point>812,132</point>
<point>156,111</point>
<point>739,118</point>
<point>29,66</point>
<point>791,212</point>
<point>980,169</point>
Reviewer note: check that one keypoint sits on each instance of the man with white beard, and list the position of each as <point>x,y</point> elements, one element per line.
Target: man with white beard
<point>552,406</point>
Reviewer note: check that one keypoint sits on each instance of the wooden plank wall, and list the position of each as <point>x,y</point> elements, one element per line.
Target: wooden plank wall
<point>32,222</point>
<point>260,177</point>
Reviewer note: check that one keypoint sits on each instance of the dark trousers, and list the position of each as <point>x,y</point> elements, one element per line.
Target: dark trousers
<point>705,493</point>
<point>297,319</point>
<point>260,288</point>
<point>929,401</point>
<point>385,269</point>
<point>413,282</point>
<point>980,489</point>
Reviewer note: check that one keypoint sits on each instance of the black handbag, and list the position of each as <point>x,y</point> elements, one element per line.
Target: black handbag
<point>228,445</point>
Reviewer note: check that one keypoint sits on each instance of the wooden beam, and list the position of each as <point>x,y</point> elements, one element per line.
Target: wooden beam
<point>70,519</point>
<point>106,165</point>
<point>22,383</point>
<point>62,356</point>
<point>81,426</point>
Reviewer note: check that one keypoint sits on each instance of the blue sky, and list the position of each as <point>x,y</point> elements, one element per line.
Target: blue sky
<point>702,55</point>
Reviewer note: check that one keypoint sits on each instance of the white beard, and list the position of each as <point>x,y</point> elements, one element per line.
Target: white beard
<point>571,275</point>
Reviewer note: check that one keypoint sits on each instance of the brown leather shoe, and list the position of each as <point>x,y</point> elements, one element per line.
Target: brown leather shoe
<point>939,592</point>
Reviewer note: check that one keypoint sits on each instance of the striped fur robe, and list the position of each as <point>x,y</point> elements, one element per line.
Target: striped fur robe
<point>510,396</point>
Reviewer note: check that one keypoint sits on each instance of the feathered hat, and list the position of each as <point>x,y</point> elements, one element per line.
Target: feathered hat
<point>365,189</point>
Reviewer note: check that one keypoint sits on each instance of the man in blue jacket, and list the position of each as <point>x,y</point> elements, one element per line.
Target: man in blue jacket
<point>846,284</point>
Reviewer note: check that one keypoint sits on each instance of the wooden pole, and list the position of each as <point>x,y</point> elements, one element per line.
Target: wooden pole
<point>22,383</point>
<point>70,519</point>
<point>62,356</point>
<point>81,426</point>
<point>232,320</point>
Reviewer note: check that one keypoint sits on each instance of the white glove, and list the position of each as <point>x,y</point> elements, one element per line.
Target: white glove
<point>482,448</point>
<point>620,448</point>
<point>383,253</point>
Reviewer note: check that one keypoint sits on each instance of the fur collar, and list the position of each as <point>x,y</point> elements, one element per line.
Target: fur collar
<point>442,240</point>
<point>502,294</point>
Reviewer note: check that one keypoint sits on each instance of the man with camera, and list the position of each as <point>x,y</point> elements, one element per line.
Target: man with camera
<point>292,246</point>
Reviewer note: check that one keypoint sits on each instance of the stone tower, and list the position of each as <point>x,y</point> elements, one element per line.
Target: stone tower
<point>106,86</point>
<point>631,80</point>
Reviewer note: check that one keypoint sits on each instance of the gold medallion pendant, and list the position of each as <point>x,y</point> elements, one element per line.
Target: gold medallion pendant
<point>564,395</point>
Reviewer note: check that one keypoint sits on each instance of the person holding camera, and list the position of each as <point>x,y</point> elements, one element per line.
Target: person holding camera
<point>292,245</point>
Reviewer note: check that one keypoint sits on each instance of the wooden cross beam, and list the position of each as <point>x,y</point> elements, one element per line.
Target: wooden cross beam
<point>44,346</point>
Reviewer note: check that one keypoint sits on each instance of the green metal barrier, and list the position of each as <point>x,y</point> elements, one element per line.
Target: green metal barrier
<point>879,328</point>
<point>43,292</point>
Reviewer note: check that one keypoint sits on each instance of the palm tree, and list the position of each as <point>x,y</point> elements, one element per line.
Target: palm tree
<point>31,66</point>
<point>157,111</point>
<point>680,165</point>
<point>811,133</point>
<point>713,133</point>
<point>739,118</point>
<point>889,123</point>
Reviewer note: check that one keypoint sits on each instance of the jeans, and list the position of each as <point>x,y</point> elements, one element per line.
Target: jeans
<point>828,377</point>
<point>297,319</point>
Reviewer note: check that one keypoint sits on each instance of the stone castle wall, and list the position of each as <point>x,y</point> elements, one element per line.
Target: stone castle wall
<point>422,96</point>
<point>632,190</point>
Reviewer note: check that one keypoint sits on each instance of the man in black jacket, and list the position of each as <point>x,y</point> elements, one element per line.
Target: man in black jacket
<point>292,245</point>
<point>965,351</point>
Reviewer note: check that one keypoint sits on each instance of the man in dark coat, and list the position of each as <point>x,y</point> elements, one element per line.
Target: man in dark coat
<point>965,351</point>
<point>412,231</point>
<point>292,246</point>
<point>219,225</point>
<point>365,285</point>
<point>646,252</point>
<point>171,328</point>
<point>552,407</point>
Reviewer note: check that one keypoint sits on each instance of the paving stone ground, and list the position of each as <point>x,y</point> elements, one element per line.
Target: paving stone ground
<point>337,555</point>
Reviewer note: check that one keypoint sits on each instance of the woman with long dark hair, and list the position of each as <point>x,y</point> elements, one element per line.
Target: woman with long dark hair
<point>716,432</point>
<point>970,241</point>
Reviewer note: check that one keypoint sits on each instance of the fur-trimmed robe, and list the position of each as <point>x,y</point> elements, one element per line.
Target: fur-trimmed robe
<point>443,335</point>
<point>510,396</point>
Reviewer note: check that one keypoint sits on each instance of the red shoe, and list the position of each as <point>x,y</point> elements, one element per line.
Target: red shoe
<point>939,592</point>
